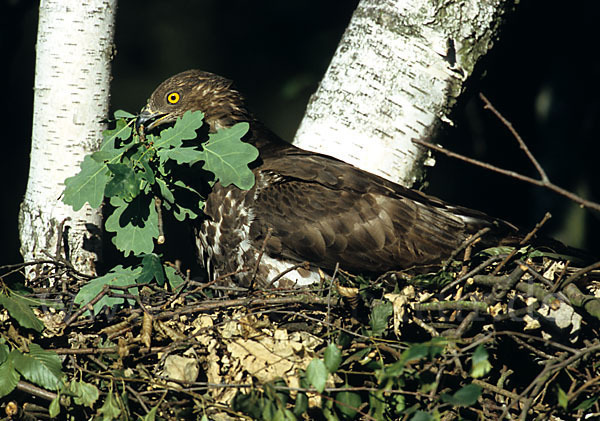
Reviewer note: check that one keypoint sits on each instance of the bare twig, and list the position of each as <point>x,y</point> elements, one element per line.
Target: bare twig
<point>550,186</point>
<point>488,106</point>
<point>525,240</point>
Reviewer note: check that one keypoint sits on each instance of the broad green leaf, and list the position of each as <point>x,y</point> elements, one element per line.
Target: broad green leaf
<point>184,129</point>
<point>227,156</point>
<point>480,365</point>
<point>465,396</point>
<point>379,316</point>
<point>124,183</point>
<point>332,357</point>
<point>39,366</point>
<point>317,373</point>
<point>110,410</point>
<point>175,281</point>
<point>181,155</point>
<point>118,276</point>
<point>135,224</point>
<point>152,268</point>
<point>54,408</point>
<point>348,403</point>
<point>87,186</point>
<point>4,352</point>
<point>123,114</point>
<point>9,377</point>
<point>20,310</point>
<point>85,394</point>
<point>301,405</point>
<point>121,131</point>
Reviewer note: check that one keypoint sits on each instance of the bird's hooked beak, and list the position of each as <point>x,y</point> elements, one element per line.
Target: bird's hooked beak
<point>149,119</point>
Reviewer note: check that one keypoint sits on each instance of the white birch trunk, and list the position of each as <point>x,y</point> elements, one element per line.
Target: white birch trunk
<point>396,75</point>
<point>71,93</point>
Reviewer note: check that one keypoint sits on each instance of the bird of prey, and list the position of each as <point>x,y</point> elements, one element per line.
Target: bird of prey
<point>306,206</point>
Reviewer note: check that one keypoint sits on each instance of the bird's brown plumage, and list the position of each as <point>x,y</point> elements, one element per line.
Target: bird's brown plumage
<point>318,208</point>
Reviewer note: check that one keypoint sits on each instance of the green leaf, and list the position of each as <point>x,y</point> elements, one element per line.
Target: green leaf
<point>135,224</point>
<point>587,404</point>
<point>39,366</point>
<point>87,186</point>
<point>124,183</point>
<point>123,114</point>
<point>110,410</point>
<point>84,393</point>
<point>20,310</point>
<point>316,374</point>
<point>379,316</point>
<point>480,365</point>
<point>301,405</point>
<point>181,155</point>
<point>4,352</point>
<point>165,192</point>
<point>54,408</point>
<point>184,129</point>
<point>465,396</point>
<point>332,357</point>
<point>9,377</point>
<point>151,416</point>
<point>563,400</point>
<point>121,131</point>
<point>348,403</point>
<point>118,276</point>
<point>175,281</point>
<point>152,268</point>
<point>422,416</point>
<point>227,156</point>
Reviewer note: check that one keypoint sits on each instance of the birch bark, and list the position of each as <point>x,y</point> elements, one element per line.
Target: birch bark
<point>396,75</point>
<point>71,95</point>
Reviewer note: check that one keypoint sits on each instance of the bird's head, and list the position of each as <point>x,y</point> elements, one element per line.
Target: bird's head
<point>194,90</point>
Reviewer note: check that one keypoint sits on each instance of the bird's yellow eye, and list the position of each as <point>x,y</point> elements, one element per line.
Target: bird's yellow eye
<point>173,98</point>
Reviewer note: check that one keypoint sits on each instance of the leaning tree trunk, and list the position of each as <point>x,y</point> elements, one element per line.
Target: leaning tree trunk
<point>72,74</point>
<point>396,76</point>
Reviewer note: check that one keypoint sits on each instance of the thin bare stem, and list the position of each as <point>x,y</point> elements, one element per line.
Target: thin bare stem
<point>517,136</point>
<point>550,186</point>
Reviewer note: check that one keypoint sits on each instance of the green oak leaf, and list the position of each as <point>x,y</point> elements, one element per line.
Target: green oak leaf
<point>227,156</point>
<point>118,276</point>
<point>184,129</point>
<point>125,182</point>
<point>88,185</point>
<point>135,224</point>
<point>183,155</point>
<point>152,269</point>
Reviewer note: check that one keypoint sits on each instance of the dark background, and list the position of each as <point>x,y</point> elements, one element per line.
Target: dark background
<point>543,75</point>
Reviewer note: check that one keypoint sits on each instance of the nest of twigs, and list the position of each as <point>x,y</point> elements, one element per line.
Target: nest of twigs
<point>489,337</point>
